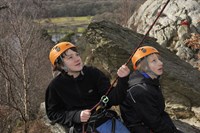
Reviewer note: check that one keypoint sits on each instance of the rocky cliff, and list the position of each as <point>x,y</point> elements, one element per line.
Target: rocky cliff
<point>107,46</point>
<point>178,28</point>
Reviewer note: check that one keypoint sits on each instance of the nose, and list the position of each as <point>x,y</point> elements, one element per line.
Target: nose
<point>160,62</point>
<point>77,58</point>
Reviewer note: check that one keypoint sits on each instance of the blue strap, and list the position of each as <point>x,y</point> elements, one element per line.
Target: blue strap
<point>145,75</point>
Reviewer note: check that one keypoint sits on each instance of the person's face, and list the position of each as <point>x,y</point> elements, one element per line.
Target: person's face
<point>73,61</point>
<point>155,64</point>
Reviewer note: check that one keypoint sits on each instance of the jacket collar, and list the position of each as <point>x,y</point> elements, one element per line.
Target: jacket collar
<point>80,76</point>
<point>138,77</point>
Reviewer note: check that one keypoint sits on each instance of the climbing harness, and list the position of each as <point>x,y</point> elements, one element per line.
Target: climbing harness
<point>104,120</point>
<point>99,114</point>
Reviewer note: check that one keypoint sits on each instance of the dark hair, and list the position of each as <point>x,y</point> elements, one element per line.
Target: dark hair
<point>73,49</point>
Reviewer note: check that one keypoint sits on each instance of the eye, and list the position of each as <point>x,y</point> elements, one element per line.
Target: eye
<point>153,60</point>
<point>160,58</point>
<point>69,57</point>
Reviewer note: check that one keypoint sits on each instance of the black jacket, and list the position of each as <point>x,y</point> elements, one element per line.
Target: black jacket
<point>66,96</point>
<point>144,106</point>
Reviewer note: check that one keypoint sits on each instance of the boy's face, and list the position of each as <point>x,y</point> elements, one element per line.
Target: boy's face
<point>155,64</point>
<point>73,61</point>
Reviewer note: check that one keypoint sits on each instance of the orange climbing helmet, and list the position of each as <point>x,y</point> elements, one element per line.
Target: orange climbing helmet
<point>141,53</point>
<point>58,49</point>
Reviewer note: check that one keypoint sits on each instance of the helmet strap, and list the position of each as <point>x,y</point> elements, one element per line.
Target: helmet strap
<point>64,67</point>
<point>148,70</point>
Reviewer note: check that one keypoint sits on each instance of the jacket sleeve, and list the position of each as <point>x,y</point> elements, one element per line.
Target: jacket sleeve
<point>117,93</point>
<point>150,113</point>
<point>56,112</point>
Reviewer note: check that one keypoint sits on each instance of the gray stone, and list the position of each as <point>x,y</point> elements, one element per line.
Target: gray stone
<point>169,28</point>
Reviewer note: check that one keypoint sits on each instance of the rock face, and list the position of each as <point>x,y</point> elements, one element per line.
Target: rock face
<point>179,22</point>
<point>54,128</point>
<point>107,46</point>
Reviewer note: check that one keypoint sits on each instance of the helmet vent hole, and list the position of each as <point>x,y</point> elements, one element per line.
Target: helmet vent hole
<point>143,50</point>
<point>57,49</point>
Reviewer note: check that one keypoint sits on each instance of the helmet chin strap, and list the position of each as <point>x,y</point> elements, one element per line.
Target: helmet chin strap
<point>149,71</point>
<point>64,67</point>
<point>152,73</point>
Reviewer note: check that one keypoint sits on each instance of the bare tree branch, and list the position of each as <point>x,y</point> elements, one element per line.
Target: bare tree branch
<point>3,7</point>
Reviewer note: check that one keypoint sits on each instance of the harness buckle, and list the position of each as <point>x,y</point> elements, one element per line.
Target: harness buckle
<point>104,99</point>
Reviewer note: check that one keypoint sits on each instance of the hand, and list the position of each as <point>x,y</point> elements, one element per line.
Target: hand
<point>85,115</point>
<point>123,71</point>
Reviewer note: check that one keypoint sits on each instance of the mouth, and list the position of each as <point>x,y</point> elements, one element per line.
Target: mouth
<point>79,64</point>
